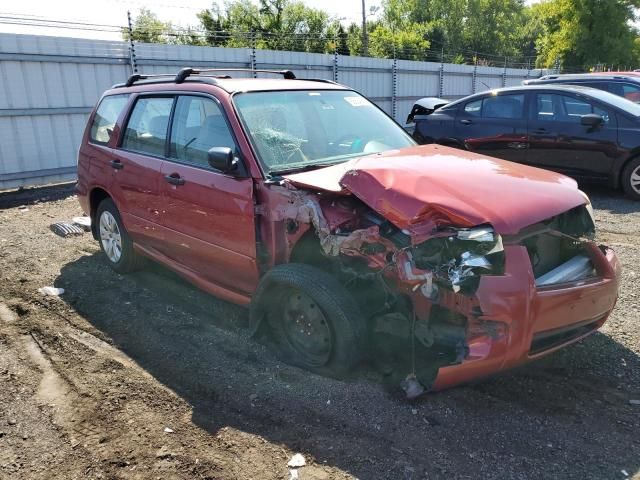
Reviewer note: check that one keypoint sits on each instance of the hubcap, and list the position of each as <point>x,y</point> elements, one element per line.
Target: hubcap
<point>307,329</point>
<point>635,180</point>
<point>110,236</point>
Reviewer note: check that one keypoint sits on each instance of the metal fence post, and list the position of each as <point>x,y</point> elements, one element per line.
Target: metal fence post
<point>132,47</point>
<point>394,86</point>
<point>474,77</point>
<point>504,73</point>
<point>254,63</point>
<point>441,75</point>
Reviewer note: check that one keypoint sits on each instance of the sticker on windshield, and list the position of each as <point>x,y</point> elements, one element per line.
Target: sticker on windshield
<point>357,101</point>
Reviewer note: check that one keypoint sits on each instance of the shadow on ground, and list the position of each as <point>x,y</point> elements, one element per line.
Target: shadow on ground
<point>566,414</point>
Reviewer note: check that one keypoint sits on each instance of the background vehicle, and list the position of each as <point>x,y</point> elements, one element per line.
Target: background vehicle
<point>306,201</point>
<point>623,84</point>
<point>582,132</point>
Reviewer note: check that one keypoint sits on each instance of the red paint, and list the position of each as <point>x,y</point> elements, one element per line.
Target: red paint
<point>423,186</point>
<point>222,232</point>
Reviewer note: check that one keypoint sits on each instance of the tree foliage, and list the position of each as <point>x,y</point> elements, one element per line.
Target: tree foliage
<point>573,33</point>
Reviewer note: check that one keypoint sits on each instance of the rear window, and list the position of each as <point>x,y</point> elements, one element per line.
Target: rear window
<point>106,117</point>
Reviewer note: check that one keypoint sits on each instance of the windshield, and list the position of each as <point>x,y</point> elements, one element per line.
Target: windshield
<point>294,130</point>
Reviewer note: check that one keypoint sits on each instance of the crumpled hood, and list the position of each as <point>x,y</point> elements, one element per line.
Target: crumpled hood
<point>417,188</point>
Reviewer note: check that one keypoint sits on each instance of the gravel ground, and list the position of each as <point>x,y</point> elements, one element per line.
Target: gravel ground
<point>90,381</point>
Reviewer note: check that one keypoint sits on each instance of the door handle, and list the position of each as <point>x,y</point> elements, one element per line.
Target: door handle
<point>466,122</point>
<point>117,164</point>
<point>174,179</point>
<point>540,130</point>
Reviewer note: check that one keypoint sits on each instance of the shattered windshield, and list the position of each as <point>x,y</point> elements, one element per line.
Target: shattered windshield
<point>295,130</point>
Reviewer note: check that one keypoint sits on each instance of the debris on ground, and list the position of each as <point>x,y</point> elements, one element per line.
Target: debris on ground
<point>82,222</point>
<point>51,291</point>
<point>412,387</point>
<point>297,461</point>
<point>168,430</point>
<point>64,229</point>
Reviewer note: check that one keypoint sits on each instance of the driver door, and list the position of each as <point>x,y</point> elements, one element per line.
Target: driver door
<point>208,215</point>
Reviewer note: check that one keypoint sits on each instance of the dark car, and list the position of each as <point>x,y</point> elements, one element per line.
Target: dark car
<point>307,202</point>
<point>579,131</point>
<point>626,85</point>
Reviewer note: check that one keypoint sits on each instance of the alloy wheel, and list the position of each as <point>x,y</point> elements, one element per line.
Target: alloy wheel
<point>110,236</point>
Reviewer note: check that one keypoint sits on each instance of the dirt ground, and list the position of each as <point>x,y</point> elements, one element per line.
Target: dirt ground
<point>90,382</point>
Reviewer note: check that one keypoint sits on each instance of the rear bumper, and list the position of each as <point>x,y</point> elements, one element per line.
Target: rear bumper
<point>520,322</point>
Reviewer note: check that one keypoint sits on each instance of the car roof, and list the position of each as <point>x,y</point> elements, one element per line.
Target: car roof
<point>191,79</point>
<point>592,92</point>
<point>605,76</point>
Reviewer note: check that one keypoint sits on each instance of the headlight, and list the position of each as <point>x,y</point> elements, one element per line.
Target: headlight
<point>458,260</point>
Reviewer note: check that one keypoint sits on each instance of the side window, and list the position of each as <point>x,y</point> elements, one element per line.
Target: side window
<point>503,106</point>
<point>473,108</point>
<point>631,92</point>
<point>106,116</point>
<point>198,125</point>
<point>146,130</point>
<point>563,108</point>
<point>544,107</point>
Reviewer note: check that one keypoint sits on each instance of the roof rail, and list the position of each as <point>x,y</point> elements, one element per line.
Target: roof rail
<point>187,72</point>
<point>137,77</point>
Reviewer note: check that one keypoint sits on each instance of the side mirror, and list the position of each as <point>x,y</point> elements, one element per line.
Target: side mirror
<point>592,120</point>
<point>221,158</point>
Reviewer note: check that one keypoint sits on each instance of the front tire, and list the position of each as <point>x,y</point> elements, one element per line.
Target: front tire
<point>314,323</point>
<point>631,179</point>
<point>114,239</point>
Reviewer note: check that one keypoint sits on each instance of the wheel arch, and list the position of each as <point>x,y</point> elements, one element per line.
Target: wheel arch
<point>96,196</point>
<point>616,177</point>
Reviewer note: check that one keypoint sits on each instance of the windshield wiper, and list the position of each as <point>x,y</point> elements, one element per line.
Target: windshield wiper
<point>303,167</point>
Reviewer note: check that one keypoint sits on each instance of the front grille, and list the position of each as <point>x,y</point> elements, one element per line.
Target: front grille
<point>549,339</point>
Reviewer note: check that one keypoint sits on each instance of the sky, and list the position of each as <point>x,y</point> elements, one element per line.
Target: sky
<point>114,12</point>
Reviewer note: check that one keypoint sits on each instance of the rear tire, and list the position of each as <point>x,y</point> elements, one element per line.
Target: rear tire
<point>114,239</point>
<point>314,323</point>
<point>631,179</point>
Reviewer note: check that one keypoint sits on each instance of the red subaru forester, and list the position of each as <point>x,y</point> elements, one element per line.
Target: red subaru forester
<point>307,202</point>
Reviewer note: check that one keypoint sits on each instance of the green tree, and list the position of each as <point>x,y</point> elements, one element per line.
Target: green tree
<point>148,28</point>
<point>582,33</point>
<point>272,24</point>
<point>408,43</point>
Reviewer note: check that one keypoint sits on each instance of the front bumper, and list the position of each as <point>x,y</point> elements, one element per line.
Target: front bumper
<point>520,322</point>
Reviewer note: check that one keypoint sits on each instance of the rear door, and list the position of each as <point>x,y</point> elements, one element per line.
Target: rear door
<point>208,215</point>
<point>495,125</point>
<point>558,140</point>
<point>137,165</point>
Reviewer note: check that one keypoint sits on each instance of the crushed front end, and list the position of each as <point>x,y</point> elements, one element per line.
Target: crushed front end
<point>458,303</point>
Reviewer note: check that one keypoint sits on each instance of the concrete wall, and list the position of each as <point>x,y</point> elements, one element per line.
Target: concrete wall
<point>48,85</point>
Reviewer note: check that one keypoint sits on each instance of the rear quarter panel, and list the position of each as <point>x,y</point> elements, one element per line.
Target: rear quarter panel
<point>436,128</point>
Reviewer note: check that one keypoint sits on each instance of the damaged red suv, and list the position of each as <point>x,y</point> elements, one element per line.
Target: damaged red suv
<point>350,243</point>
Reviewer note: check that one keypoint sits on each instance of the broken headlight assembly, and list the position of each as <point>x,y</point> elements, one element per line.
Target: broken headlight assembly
<point>459,257</point>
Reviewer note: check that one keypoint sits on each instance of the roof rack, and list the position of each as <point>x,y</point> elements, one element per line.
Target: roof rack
<point>187,72</point>
<point>137,77</point>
